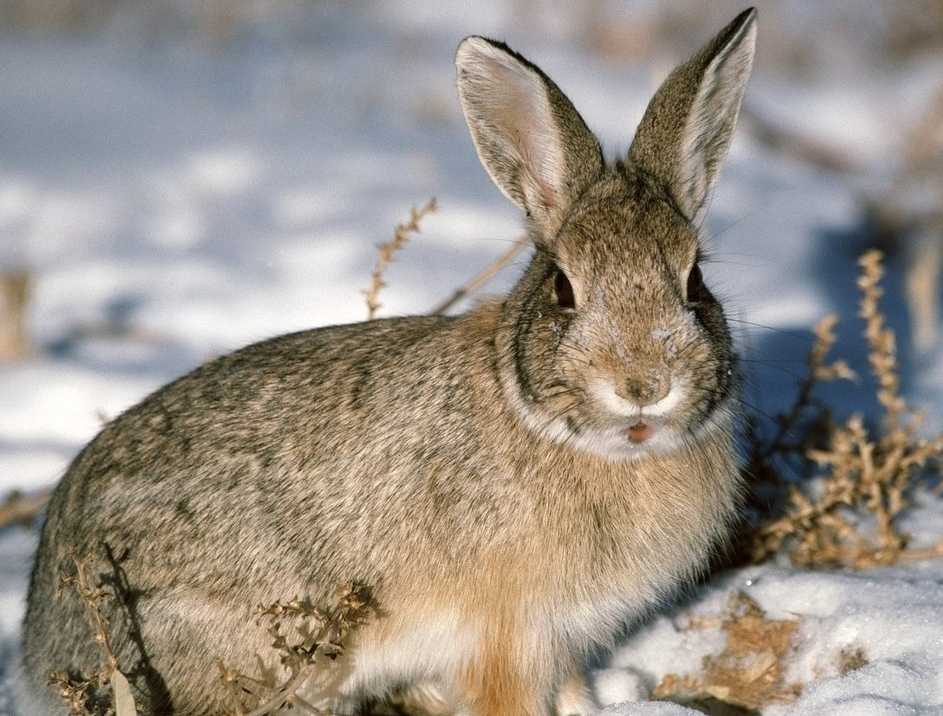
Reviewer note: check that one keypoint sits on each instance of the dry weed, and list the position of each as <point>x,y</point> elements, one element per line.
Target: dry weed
<point>867,474</point>
<point>482,277</point>
<point>19,508</point>
<point>388,250</point>
<point>15,288</point>
<point>851,659</point>
<point>104,692</point>
<point>750,671</point>
<point>309,640</point>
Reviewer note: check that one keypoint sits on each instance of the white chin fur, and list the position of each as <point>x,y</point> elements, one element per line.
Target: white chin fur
<point>613,444</point>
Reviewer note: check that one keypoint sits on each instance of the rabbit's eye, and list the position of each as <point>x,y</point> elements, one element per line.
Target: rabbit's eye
<point>695,283</point>
<point>564,290</point>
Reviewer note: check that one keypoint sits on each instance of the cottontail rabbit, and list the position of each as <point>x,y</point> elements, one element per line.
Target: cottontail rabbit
<point>512,483</point>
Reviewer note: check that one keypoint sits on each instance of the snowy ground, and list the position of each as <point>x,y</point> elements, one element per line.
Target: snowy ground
<point>175,202</point>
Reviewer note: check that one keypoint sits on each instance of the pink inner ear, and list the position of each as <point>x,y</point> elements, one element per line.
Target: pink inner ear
<point>548,197</point>
<point>523,114</point>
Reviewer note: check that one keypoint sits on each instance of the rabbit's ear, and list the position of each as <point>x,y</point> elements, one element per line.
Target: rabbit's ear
<point>687,128</point>
<point>528,135</point>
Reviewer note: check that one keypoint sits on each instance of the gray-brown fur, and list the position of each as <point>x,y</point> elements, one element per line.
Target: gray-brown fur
<point>462,467</point>
<point>671,112</point>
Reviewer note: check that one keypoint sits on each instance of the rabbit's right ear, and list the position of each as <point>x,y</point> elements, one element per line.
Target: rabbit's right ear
<point>528,135</point>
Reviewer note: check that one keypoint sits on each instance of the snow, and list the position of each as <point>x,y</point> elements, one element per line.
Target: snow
<point>894,615</point>
<point>175,201</point>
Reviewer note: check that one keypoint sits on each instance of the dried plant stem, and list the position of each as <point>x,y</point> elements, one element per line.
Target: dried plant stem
<point>482,277</point>
<point>92,597</point>
<point>795,144</point>
<point>388,250</point>
<point>286,694</point>
<point>14,300</point>
<point>18,508</point>
<point>312,651</point>
<point>883,353</point>
<point>83,694</point>
<point>917,554</point>
<point>818,371</point>
<point>862,472</point>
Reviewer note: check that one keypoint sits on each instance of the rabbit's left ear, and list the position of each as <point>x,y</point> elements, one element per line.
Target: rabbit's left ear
<point>686,131</point>
<point>529,137</point>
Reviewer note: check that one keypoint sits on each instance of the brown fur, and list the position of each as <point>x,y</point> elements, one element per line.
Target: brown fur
<point>463,467</point>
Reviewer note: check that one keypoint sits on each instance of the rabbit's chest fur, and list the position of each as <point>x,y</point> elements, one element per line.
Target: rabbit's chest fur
<point>616,538</point>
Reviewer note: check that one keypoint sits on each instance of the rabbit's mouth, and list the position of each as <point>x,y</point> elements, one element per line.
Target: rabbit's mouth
<point>640,431</point>
<point>632,437</point>
<point>645,431</point>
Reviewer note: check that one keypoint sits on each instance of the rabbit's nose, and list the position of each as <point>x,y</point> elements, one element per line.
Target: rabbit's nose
<point>642,392</point>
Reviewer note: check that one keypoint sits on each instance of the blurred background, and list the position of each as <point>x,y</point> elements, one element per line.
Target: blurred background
<point>178,179</point>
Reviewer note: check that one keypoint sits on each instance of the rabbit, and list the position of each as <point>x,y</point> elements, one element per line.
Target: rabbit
<point>514,484</point>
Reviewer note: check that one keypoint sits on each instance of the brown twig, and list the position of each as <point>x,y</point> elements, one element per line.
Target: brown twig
<point>819,370</point>
<point>92,597</point>
<point>863,473</point>
<point>883,349</point>
<point>388,250</point>
<point>14,299</point>
<point>285,694</point>
<point>789,141</point>
<point>321,637</point>
<point>482,277</point>
<point>85,694</point>
<point>21,509</point>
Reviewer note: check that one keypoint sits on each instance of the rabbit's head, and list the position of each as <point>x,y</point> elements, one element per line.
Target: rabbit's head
<point>611,341</point>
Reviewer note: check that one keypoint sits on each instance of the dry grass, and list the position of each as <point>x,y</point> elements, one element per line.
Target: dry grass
<point>851,659</point>
<point>750,671</point>
<point>387,251</point>
<point>104,692</point>
<point>482,277</point>
<point>19,508</point>
<point>14,302</point>
<point>866,475</point>
<point>309,641</point>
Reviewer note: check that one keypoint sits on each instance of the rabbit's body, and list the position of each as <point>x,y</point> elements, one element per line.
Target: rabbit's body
<point>513,484</point>
<point>556,547</point>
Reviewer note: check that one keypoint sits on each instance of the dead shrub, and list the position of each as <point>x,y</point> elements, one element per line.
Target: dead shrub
<point>864,476</point>
<point>750,671</point>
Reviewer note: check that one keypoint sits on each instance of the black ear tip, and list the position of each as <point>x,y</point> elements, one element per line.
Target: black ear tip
<point>475,46</point>
<point>745,17</point>
<point>480,42</point>
<point>742,25</point>
<point>468,47</point>
<point>472,39</point>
